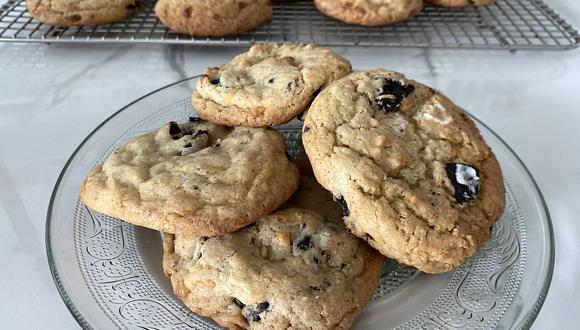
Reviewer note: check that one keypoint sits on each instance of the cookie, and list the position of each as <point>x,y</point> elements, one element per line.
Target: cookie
<point>194,178</point>
<point>460,3</point>
<point>268,85</point>
<point>213,17</point>
<point>369,12</point>
<point>290,270</point>
<point>311,196</point>
<point>81,12</point>
<point>414,176</point>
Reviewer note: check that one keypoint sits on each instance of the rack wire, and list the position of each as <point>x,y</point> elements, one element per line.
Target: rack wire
<point>508,24</point>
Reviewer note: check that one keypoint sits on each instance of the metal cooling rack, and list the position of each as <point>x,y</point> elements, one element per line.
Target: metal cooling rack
<point>508,24</point>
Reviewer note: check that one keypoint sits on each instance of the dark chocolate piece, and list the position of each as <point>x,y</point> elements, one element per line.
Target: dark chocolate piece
<point>174,130</point>
<point>305,243</point>
<point>343,205</point>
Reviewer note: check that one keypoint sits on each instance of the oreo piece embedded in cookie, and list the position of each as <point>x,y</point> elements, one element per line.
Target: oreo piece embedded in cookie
<point>465,181</point>
<point>392,93</point>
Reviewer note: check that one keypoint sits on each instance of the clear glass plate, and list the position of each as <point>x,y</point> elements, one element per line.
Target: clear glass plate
<point>109,272</point>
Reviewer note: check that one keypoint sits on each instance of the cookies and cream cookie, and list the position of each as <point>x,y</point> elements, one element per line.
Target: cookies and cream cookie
<point>194,178</point>
<point>289,270</point>
<point>414,176</point>
<point>268,85</point>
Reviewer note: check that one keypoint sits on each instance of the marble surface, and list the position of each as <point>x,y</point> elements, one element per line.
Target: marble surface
<point>52,96</point>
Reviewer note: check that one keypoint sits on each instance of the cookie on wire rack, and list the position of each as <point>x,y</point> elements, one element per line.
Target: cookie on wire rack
<point>290,270</point>
<point>213,17</point>
<point>460,3</point>
<point>82,12</point>
<point>369,12</point>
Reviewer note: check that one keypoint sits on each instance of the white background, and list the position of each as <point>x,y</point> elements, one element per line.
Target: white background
<point>52,96</point>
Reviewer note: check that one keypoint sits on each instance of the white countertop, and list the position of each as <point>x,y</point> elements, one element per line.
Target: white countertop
<point>52,96</point>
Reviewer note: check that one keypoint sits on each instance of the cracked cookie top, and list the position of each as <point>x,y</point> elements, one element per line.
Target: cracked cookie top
<point>460,3</point>
<point>413,174</point>
<point>291,269</point>
<point>194,178</point>
<point>268,85</point>
<point>369,12</point>
<point>81,12</point>
<point>213,17</point>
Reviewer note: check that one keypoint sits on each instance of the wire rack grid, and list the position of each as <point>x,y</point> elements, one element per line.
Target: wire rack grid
<point>508,24</point>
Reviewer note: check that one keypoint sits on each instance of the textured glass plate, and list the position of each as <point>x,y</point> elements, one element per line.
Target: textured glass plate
<point>110,276</point>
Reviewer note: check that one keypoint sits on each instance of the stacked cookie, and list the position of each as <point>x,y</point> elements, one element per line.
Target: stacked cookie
<point>253,242</point>
<point>411,170</point>
<point>295,268</point>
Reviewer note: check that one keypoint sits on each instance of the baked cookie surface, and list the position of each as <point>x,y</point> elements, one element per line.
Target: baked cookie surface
<point>213,17</point>
<point>369,12</point>
<point>194,178</point>
<point>413,174</point>
<point>312,196</point>
<point>81,12</point>
<point>268,85</point>
<point>291,269</point>
<point>461,3</point>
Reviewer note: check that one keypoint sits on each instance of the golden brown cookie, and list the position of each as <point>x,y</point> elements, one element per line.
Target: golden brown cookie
<point>81,12</point>
<point>213,17</point>
<point>369,12</point>
<point>194,178</point>
<point>268,85</point>
<point>290,270</point>
<point>414,176</point>
<point>460,3</point>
